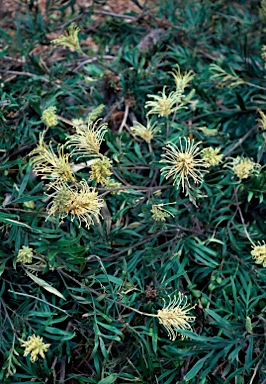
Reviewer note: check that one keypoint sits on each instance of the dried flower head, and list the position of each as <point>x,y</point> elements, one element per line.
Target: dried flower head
<point>259,254</point>
<point>50,166</point>
<point>183,163</point>
<point>146,133</point>
<point>25,255</point>
<point>175,316</point>
<point>49,117</point>
<point>69,38</point>
<point>164,105</point>
<point>34,346</point>
<point>243,167</point>
<point>78,202</point>
<point>88,137</point>
<point>100,169</point>
<point>111,184</point>
<point>159,213</point>
<point>211,156</point>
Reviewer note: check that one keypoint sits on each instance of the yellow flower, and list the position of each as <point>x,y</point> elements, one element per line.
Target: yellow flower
<point>159,213</point>
<point>211,156</point>
<point>88,137</point>
<point>175,316</point>
<point>82,203</point>
<point>146,133</point>
<point>50,166</point>
<point>25,255</point>
<point>259,254</point>
<point>183,163</point>
<point>243,167</point>
<point>69,38</point>
<point>34,346</point>
<point>181,81</point>
<point>164,105</point>
<point>49,117</point>
<point>100,169</point>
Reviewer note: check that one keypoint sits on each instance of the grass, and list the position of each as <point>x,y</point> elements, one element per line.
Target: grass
<point>88,291</point>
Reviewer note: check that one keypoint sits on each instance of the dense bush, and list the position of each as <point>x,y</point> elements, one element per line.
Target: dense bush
<point>132,205</point>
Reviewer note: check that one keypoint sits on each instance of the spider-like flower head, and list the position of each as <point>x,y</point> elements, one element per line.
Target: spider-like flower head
<point>50,166</point>
<point>243,167</point>
<point>88,137</point>
<point>69,38</point>
<point>211,156</point>
<point>175,316</point>
<point>80,202</point>
<point>259,254</point>
<point>146,133</point>
<point>100,169</point>
<point>164,105</point>
<point>34,346</point>
<point>183,163</point>
<point>25,255</point>
<point>49,117</point>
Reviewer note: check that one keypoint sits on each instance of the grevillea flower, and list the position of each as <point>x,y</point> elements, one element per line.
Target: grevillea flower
<point>88,137</point>
<point>34,346</point>
<point>100,169</point>
<point>25,255</point>
<point>69,38</point>
<point>259,254</point>
<point>243,167</point>
<point>175,316</point>
<point>159,213</point>
<point>146,133</point>
<point>211,156</point>
<point>79,202</point>
<point>50,166</point>
<point>164,105</point>
<point>49,117</point>
<point>183,163</point>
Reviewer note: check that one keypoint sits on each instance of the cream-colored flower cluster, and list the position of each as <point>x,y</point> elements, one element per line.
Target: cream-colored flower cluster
<point>175,316</point>
<point>34,346</point>
<point>212,156</point>
<point>243,167</point>
<point>70,38</point>
<point>165,105</point>
<point>49,117</point>
<point>71,197</point>
<point>259,254</point>
<point>25,255</point>
<point>183,163</point>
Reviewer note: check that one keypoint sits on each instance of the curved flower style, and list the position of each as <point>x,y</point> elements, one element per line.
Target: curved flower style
<point>82,203</point>
<point>183,163</point>
<point>50,166</point>
<point>34,346</point>
<point>69,38</point>
<point>175,316</point>
<point>25,255</point>
<point>146,133</point>
<point>88,137</point>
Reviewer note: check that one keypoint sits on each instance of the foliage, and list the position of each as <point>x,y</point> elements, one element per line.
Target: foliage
<point>96,244</point>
